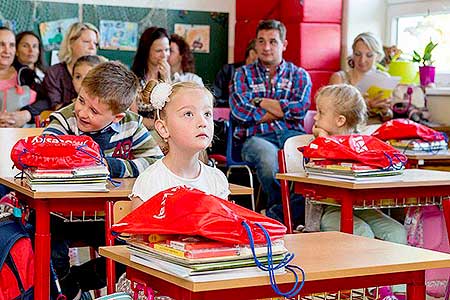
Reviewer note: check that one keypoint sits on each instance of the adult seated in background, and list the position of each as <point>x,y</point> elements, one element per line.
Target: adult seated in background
<point>31,67</point>
<point>11,77</point>
<point>367,51</point>
<point>269,99</point>
<point>181,61</point>
<point>151,62</point>
<point>81,39</point>
<point>221,87</point>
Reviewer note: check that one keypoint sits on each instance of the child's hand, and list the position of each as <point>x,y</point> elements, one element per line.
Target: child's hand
<point>317,131</point>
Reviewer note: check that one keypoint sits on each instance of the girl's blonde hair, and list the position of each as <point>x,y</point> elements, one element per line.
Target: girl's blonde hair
<point>371,42</point>
<point>347,101</point>
<point>73,33</point>
<point>176,88</point>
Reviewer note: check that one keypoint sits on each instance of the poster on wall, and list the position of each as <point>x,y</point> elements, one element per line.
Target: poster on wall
<point>52,33</point>
<point>197,36</point>
<point>11,24</point>
<point>118,35</point>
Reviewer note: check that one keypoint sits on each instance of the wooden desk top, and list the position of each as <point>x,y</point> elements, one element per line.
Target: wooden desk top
<point>236,189</point>
<point>409,178</point>
<point>20,186</point>
<point>8,137</point>
<point>323,255</point>
<point>444,155</point>
<point>122,191</point>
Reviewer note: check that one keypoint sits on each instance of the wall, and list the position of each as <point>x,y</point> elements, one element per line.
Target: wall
<point>361,16</point>
<point>228,6</point>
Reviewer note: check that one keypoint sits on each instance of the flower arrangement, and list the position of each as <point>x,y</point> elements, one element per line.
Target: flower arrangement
<point>425,59</point>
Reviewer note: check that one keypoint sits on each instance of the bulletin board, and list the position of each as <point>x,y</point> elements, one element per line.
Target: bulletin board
<point>27,15</point>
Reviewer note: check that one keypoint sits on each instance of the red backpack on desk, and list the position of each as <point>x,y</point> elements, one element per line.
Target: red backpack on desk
<point>365,149</point>
<point>56,152</point>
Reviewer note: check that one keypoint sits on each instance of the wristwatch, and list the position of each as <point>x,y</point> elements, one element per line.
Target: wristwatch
<point>257,101</point>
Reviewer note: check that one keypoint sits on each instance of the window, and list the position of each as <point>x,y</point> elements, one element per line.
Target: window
<point>411,24</point>
<point>413,33</point>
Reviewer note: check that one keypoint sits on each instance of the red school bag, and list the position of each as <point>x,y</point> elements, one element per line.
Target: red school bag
<point>364,149</point>
<point>56,152</point>
<point>403,129</point>
<point>182,210</point>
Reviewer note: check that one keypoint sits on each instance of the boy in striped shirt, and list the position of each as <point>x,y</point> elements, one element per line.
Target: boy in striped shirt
<point>101,112</point>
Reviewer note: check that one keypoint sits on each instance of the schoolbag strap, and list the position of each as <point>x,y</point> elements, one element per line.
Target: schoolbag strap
<point>12,231</point>
<point>13,267</point>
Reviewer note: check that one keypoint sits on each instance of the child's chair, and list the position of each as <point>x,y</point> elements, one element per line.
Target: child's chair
<point>290,160</point>
<point>120,210</point>
<point>234,160</point>
<point>308,121</point>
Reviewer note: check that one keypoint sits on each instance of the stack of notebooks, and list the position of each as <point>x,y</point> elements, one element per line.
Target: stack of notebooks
<point>86,179</point>
<point>418,145</point>
<point>349,170</point>
<point>198,259</point>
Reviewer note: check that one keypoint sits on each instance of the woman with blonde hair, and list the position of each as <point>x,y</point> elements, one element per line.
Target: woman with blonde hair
<point>81,39</point>
<point>367,51</point>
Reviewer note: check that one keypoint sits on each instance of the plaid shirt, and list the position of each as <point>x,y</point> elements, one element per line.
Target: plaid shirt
<point>291,85</point>
<point>128,147</point>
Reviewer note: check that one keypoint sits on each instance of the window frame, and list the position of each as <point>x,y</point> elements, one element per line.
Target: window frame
<point>411,8</point>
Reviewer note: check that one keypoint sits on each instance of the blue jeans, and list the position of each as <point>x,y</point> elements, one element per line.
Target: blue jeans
<point>261,152</point>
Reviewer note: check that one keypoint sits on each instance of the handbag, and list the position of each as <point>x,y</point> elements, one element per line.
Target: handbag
<point>56,152</point>
<point>16,97</point>
<point>365,149</point>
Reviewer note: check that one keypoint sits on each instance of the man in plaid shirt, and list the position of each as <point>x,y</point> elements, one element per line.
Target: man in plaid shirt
<point>268,101</point>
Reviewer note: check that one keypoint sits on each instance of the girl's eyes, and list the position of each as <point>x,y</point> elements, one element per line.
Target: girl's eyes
<point>188,114</point>
<point>208,114</point>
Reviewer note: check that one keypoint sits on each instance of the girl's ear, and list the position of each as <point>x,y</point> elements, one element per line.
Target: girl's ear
<point>162,129</point>
<point>341,120</point>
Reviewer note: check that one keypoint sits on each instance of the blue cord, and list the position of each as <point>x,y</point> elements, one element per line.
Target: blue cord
<point>271,268</point>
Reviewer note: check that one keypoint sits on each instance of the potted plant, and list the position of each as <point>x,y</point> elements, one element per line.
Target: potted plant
<point>426,70</point>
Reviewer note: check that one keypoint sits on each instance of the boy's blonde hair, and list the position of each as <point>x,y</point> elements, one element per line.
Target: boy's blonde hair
<point>113,84</point>
<point>347,101</point>
<point>73,33</point>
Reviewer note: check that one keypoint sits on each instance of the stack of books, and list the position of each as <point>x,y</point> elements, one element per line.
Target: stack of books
<point>198,259</point>
<point>418,145</point>
<point>349,170</point>
<point>85,179</point>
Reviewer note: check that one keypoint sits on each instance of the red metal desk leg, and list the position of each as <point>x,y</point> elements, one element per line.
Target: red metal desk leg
<point>42,250</point>
<point>110,268</point>
<point>346,213</point>
<point>416,290</point>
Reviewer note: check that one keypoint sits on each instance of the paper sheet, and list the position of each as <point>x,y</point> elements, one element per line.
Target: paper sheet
<point>373,82</point>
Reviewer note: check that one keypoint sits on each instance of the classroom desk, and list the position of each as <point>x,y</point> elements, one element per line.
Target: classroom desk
<point>432,161</point>
<point>413,183</point>
<point>77,203</point>
<point>64,202</point>
<point>332,261</point>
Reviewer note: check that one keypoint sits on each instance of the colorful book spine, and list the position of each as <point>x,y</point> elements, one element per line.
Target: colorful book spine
<point>185,246</point>
<point>207,253</point>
